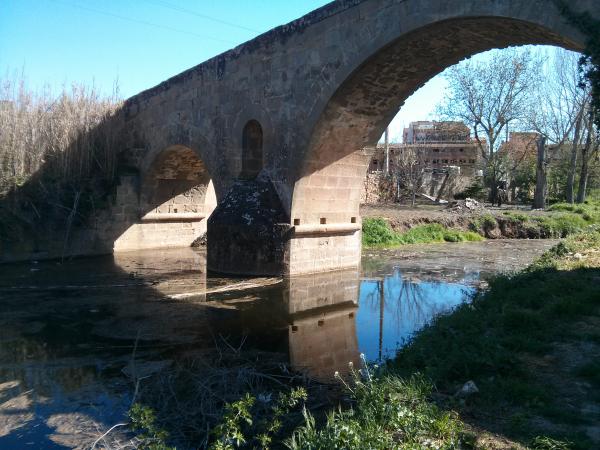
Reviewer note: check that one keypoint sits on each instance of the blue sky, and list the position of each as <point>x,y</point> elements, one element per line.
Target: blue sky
<point>140,43</point>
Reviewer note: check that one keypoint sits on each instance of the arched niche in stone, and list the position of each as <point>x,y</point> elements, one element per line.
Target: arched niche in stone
<point>252,150</point>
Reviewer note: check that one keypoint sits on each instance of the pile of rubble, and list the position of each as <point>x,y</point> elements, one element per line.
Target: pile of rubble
<point>466,205</point>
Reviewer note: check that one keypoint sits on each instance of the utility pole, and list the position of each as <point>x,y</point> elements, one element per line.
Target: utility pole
<point>381,310</point>
<point>387,151</point>
<point>539,201</point>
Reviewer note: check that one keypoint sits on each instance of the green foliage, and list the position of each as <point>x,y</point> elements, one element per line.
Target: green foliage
<point>517,217</point>
<point>475,190</point>
<point>237,416</point>
<point>546,443</point>
<point>239,427</point>
<point>377,233</point>
<point>435,232</point>
<point>388,412</point>
<point>143,422</point>
<point>488,221</point>
<point>483,223</point>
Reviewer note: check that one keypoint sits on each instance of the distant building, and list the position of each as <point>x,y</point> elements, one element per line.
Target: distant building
<point>439,145</point>
<point>520,145</point>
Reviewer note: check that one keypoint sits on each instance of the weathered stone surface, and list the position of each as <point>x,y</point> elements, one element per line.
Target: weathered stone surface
<point>249,233</point>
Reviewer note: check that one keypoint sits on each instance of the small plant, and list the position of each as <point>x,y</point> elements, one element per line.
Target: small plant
<point>150,436</point>
<point>546,443</point>
<point>488,221</point>
<point>239,427</point>
<point>517,217</point>
<point>377,232</point>
<point>236,418</point>
<point>387,412</point>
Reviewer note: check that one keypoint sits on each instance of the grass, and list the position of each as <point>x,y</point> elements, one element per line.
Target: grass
<point>377,233</point>
<point>497,341</point>
<point>387,412</point>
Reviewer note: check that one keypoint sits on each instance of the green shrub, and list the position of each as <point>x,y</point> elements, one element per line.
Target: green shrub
<point>489,221</point>
<point>517,217</point>
<point>387,412</point>
<point>377,232</point>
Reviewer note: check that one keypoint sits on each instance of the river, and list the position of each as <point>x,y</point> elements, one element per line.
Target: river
<point>72,333</point>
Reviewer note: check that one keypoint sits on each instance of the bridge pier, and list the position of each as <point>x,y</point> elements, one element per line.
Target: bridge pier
<point>249,233</point>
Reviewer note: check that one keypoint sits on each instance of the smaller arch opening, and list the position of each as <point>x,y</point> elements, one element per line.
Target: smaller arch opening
<point>176,198</point>
<point>252,150</point>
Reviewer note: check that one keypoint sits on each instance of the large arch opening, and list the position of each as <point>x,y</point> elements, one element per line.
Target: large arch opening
<point>333,166</point>
<point>176,199</point>
<point>329,184</point>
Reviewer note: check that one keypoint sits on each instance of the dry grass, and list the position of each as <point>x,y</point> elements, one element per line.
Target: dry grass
<point>60,132</point>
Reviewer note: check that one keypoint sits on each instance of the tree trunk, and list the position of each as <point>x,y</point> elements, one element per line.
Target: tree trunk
<point>541,185</point>
<point>570,192</point>
<point>584,174</point>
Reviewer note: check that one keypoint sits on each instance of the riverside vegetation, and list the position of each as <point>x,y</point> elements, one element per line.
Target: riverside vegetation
<point>530,343</point>
<point>560,221</point>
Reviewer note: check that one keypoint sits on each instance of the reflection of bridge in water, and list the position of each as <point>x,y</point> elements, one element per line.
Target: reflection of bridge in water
<point>322,321</point>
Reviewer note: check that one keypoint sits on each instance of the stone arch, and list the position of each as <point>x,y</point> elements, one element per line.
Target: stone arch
<point>176,198</point>
<point>415,41</point>
<point>177,182</point>
<point>252,149</point>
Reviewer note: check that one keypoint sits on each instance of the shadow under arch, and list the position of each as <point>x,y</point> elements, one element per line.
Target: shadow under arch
<point>377,83</point>
<point>176,198</point>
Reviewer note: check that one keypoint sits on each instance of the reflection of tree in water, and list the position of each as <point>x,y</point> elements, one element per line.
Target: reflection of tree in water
<point>411,303</point>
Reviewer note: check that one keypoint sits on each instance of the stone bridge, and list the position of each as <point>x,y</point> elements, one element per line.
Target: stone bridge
<point>272,132</point>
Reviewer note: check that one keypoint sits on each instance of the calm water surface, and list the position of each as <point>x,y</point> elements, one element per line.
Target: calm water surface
<point>68,331</point>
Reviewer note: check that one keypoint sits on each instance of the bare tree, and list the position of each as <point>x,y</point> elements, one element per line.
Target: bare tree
<point>409,168</point>
<point>490,95</point>
<point>560,113</point>
<point>589,151</point>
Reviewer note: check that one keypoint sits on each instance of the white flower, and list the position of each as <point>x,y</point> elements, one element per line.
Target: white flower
<point>265,398</point>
